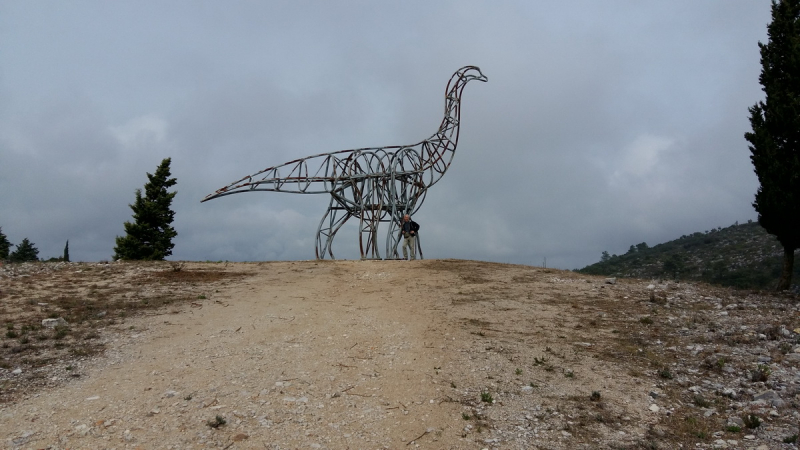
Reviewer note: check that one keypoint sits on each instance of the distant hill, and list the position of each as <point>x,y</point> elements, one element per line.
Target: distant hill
<point>741,256</point>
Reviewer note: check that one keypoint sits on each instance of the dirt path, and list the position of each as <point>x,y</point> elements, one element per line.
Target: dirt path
<point>357,354</point>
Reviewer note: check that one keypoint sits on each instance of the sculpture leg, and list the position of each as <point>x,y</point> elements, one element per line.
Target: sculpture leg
<point>405,194</point>
<point>371,213</point>
<point>331,222</point>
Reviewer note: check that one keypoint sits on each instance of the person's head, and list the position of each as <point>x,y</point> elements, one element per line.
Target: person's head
<point>406,218</point>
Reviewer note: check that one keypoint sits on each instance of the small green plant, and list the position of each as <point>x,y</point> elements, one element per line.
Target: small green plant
<point>188,397</point>
<point>201,297</point>
<point>518,372</point>
<point>595,397</point>
<point>486,397</point>
<point>751,421</point>
<point>646,320</point>
<point>665,374</point>
<point>760,373</point>
<point>217,422</point>
<point>733,429</point>
<point>465,416</point>
<point>790,439</point>
<point>539,361</point>
<point>701,402</point>
<point>61,333</point>
<point>452,385</point>
<point>68,368</point>
<point>569,373</point>
<point>11,334</point>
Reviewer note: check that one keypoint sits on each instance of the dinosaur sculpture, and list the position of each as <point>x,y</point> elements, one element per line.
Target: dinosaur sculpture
<point>378,184</point>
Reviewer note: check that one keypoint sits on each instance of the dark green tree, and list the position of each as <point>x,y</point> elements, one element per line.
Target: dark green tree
<point>775,139</point>
<point>149,236</point>
<point>66,252</point>
<point>5,246</point>
<point>26,251</point>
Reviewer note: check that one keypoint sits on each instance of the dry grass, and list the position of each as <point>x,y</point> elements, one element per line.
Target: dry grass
<point>92,299</point>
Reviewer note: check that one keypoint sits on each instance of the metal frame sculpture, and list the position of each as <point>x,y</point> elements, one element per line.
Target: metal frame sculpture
<point>379,184</point>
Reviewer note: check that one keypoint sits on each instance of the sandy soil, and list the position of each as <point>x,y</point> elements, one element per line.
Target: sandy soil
<point>358,354</point>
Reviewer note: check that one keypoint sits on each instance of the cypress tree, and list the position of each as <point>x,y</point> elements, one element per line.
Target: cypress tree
<point>5,246</point>
<point>26,251</point>
<point>66,252</point>
<point>775,139</point>
<point>149,236</point>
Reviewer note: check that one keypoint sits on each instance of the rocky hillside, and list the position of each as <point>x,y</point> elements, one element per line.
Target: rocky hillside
<point>741,256</point>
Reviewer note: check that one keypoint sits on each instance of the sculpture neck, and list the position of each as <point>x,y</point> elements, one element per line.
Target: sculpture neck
<point>452,109</point>
<point>439,149</point>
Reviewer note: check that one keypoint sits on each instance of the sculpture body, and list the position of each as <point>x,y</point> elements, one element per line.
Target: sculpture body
<point>379,184</point>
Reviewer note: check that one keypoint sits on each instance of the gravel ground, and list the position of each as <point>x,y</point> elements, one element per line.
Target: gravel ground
<point>389,354</point>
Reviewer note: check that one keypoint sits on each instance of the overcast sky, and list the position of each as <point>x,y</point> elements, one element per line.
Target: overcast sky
<point>603,124</point>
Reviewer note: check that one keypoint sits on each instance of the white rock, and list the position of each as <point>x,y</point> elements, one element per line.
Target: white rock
<point>16,371</point>
<point>654,408</point>
<point>52,323</point>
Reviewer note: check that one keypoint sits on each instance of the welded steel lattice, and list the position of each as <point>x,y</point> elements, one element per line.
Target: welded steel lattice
<point>379,184</point>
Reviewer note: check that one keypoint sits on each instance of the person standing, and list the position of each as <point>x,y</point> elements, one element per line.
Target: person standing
<point>409,230</point>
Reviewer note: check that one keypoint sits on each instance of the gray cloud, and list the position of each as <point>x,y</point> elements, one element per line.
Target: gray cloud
<point>601,125</point>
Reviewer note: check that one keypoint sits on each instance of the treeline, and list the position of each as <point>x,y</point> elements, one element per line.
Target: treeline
<point>741,256</point>
<point>26,251</point>
<point>148,237</point>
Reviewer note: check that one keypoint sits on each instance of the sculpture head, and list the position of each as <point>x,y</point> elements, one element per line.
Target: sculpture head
<point>469,73</point>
